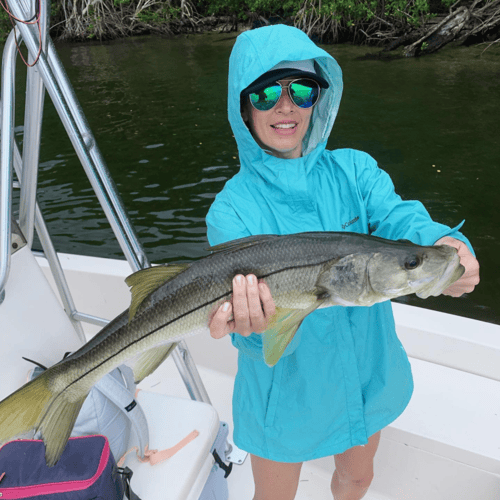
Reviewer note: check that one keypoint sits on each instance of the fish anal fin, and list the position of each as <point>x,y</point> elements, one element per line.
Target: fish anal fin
<point>145,281</point>
<point>281,330</point>
<point>148,361</point>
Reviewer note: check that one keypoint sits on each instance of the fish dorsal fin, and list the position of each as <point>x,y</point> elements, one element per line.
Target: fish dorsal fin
<point>242,243</point>
<point>145,281</point>
<point>282,329</point>
<point>148,361</point>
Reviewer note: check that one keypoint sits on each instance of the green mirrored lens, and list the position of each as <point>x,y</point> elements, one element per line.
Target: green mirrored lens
<point>266,98</point>
<point>304,93</point>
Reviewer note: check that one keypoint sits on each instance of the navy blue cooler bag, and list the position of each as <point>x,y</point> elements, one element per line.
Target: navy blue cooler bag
<point>85,471</point>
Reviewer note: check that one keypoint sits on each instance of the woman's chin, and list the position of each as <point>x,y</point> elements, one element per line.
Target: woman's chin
<point>286,152</point>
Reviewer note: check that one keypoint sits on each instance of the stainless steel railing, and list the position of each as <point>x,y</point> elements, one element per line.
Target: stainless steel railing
<point>6,154</point>
<point>48,74</point>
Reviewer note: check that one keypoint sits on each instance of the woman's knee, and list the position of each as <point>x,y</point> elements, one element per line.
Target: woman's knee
<point>358,478</point>
<point>355,466</point>
<point>275,480</point>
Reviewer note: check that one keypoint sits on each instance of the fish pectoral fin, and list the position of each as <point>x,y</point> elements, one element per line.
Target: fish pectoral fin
<point>145,281</point>
<point>281,331</point>
<point>148,361</point>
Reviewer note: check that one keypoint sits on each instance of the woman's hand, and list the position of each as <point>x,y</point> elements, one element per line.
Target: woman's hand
<point>470,278</point>
<point>251,309</point>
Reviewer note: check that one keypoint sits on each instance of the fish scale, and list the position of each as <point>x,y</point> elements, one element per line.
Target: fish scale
<point>303,271</point>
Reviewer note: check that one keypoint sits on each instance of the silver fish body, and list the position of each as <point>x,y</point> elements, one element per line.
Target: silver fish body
<point>304,271</point>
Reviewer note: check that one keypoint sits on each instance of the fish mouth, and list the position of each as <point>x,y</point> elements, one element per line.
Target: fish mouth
<point>422,281</point>
<point>452,273</point>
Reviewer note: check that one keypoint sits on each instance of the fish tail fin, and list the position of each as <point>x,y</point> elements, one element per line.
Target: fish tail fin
<point>34,407</point>
<point>20,411</point>
<point>56,425</point>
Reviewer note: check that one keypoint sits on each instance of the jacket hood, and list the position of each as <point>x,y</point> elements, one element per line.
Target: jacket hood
<point>256,52</point>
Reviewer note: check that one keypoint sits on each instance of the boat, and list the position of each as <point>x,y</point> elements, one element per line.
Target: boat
<point>445,446</point>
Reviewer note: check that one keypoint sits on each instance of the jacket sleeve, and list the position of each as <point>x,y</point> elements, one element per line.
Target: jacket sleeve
<point>392,218</point>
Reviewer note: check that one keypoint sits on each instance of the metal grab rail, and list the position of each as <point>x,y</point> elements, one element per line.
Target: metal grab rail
<point>6,154</point>
<point>61,92</point>
<point>51,75</point>
<point>33,114</point>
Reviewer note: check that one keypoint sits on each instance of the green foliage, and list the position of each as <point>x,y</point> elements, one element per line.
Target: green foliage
<point>159,16</point>
<point>55,9</point>
<point>413,11</point>
<point>347,12</point>
<point>333,20</point>
<point>91,31</point>
<point>5,25</point>
<point>222,7</point>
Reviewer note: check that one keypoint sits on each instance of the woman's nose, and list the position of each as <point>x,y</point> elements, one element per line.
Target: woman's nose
<point>285,104</point>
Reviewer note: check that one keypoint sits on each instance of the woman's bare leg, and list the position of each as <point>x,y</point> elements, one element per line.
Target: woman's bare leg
<point>354,471</point>
<point>275,480</point>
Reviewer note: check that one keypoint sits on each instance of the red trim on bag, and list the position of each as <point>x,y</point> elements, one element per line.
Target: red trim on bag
<point>20,492</point>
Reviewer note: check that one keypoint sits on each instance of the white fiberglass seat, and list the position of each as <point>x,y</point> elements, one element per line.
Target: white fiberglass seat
<point>170,420</point>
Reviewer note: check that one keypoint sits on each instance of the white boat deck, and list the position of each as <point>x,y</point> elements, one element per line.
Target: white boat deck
<point>429,440</point>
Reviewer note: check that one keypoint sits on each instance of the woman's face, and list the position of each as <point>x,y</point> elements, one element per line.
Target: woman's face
<point>281,129</point>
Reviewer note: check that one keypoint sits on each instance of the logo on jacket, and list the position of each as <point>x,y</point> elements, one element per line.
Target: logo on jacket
<point>352,221</point>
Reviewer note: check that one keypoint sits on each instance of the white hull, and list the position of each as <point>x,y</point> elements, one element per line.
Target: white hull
<point>446,445</point>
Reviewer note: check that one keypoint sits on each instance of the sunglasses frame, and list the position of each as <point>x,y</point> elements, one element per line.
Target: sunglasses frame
<point>287,87</point>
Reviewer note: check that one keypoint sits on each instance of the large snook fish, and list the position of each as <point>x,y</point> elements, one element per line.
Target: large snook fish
<point>304,271</point>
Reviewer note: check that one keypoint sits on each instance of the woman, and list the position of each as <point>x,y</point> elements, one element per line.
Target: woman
<point>346,376</point>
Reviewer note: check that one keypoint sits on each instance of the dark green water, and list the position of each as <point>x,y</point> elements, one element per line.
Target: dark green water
<point>158,110</point>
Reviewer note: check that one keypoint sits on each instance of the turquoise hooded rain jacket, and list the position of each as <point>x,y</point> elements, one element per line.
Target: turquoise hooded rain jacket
<point>345,375</point>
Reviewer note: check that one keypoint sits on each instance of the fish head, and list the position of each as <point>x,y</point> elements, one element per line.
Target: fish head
<point>394,270</point>
<point>410,268</point>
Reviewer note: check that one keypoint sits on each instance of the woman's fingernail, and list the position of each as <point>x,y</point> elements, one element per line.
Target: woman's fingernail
<point>225,306</point>
<point>250,280</point>
<point>238,279</point>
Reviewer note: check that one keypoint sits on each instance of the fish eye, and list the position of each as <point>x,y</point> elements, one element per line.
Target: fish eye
<point>412,263</point>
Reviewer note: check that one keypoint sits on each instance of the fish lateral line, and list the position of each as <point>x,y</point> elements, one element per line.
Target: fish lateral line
<point>183,315</point>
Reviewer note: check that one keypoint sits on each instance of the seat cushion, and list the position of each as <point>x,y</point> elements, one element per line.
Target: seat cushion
<point>171,419</point>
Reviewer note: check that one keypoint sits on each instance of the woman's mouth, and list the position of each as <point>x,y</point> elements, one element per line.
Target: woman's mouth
<point>285,128</point>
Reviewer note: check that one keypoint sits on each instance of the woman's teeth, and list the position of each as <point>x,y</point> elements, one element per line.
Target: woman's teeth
<point>284,125</point>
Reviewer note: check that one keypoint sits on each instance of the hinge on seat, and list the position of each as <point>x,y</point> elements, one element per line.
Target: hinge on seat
<point>234,454</point>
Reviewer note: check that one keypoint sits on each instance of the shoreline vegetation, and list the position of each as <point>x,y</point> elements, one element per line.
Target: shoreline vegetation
<point>401,28</point>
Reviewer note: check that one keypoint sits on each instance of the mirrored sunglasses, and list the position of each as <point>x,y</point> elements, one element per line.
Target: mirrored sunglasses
<point>303,92</point>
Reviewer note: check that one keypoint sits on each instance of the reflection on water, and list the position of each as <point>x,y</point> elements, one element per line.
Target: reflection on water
<point>158,110</point>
